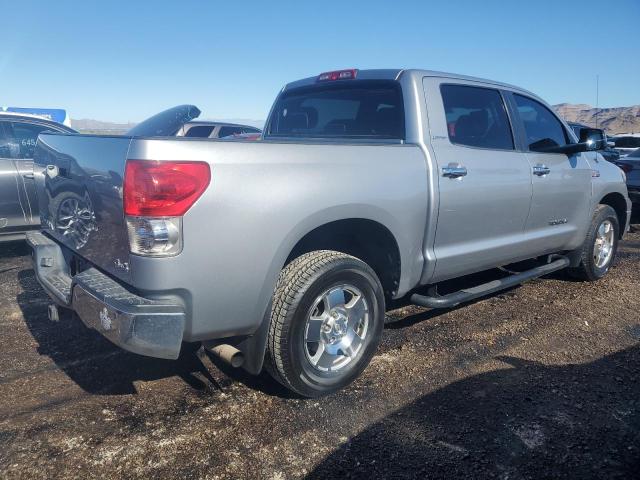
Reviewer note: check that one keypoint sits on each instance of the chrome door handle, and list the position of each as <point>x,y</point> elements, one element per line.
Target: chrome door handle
<point>541,170</point>
<point>454,171</point>
<point>28,176</point>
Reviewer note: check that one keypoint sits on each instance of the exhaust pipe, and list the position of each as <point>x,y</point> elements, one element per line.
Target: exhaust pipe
<point>228,354</point>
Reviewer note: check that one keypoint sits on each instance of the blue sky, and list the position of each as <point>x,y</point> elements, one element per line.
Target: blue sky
<point>121,61</point>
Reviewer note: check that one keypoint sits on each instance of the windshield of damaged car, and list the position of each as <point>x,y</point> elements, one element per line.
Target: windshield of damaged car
<point>348,109</point>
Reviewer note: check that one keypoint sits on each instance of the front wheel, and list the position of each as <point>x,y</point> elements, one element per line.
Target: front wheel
<point>599,249</point>
<point>326,322</point>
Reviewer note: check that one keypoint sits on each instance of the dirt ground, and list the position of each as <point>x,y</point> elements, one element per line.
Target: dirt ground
<point>538,382</point>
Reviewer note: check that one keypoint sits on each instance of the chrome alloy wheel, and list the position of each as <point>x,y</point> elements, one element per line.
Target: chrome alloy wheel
<point>603,248</point>
<point>337,325</point>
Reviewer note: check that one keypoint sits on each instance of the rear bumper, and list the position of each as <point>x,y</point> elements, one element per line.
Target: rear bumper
<point>137,324</point>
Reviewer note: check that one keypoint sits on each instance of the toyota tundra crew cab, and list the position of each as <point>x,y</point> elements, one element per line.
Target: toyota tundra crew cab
<point>368,186</point>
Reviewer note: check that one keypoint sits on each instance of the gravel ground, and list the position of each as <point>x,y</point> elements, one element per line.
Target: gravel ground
<point>538,382</point>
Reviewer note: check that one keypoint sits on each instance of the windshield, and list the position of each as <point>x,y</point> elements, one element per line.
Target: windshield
<point>165,124</point>
<point>348,109</point>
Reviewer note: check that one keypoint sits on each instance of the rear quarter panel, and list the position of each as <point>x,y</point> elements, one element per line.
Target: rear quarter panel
<point>263,198</point>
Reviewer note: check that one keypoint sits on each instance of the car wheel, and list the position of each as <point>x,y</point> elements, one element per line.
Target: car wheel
<point>326,322</point>
<point>600,246</point>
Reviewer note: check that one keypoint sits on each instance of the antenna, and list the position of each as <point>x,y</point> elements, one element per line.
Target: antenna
<point>597,98</point>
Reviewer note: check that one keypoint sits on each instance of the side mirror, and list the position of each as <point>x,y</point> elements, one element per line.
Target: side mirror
<point>593,138</point>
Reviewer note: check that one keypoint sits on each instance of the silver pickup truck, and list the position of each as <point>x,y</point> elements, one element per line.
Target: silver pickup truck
<point>367,186</point>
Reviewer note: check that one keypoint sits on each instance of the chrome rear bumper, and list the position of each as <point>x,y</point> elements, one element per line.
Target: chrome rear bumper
<point>137,324</point>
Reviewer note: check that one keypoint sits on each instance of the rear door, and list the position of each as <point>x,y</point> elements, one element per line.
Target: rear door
<point>484,182</point>
<point>25,136</point>
<point>561,199</point>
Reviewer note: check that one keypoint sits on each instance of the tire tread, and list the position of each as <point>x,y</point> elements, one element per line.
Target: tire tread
<point>295,277</point>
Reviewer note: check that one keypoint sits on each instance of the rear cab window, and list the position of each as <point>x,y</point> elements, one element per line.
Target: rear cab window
<point>352,109</point>
<point>476,117</point>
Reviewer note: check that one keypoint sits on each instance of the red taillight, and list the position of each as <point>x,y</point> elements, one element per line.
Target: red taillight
<point>338,75</point>
<point>163,189</point>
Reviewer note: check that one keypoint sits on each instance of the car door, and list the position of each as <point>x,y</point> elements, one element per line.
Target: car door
<point>25,136</point>
<point>561,199</point>
<point>12,215</point>
<point>484,182</point>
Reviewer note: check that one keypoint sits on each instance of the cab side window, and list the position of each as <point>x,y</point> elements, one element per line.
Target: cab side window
<point>542,128</point>
<point>476,117</point>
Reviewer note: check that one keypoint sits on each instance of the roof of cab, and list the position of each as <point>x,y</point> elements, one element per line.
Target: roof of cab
<point>396,73</point>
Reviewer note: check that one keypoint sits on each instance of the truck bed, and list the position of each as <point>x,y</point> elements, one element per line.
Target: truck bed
<point>263,198</point>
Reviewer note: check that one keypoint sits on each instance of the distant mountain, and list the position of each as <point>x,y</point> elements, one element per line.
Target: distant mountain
<point>88,125</point>
<point>612,120</point>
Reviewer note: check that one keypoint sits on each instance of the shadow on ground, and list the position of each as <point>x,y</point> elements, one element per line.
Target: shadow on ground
<point>14,249</point>
<point>99,367</point>
<point>527,420</point>
<point>91,361</point>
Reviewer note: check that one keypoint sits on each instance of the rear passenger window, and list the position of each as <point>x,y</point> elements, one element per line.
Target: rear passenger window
<point>8,147</point>
<point>25,136</point>
<point>476,117</point>
<point>200,131</point>
<point>542,128</point>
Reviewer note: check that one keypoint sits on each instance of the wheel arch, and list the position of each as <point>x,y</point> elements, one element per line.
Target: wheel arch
<point>617,201</point>
<point>313,234</point>
<point>366,239</point>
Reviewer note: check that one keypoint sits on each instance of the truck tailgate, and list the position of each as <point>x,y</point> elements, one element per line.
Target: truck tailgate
<point>79,180</point>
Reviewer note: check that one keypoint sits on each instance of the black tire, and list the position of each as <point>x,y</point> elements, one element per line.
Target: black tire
<point>299,286</point>
<point>588,270</point>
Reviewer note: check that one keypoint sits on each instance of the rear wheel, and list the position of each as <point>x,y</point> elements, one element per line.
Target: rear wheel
<point>599,249</point>
<point>326,322</point>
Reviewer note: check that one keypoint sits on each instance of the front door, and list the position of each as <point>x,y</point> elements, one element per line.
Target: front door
<point>561,199</point>
<point>484,182</point>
